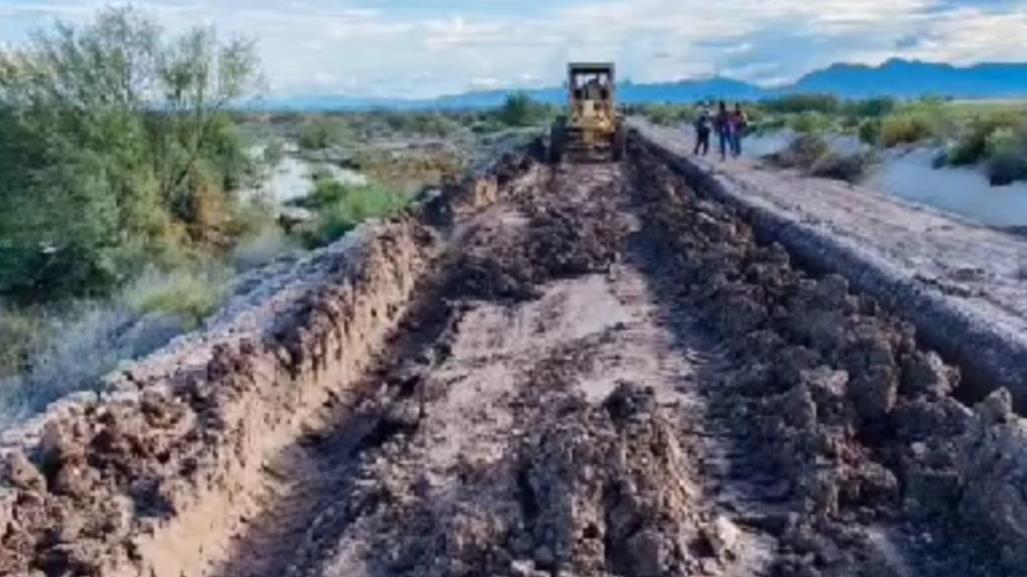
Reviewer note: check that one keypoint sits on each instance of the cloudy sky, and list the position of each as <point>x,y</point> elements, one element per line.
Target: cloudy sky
<point>416,48</point>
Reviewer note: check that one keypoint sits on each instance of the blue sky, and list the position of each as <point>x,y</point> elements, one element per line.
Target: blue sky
<point>419,48</point>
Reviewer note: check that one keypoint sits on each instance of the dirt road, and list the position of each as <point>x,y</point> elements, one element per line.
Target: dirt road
<point>598,383</point>
<point>602,373</point>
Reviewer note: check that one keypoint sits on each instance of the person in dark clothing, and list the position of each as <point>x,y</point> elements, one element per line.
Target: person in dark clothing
<point>739,123</point>
<point>722,124</point>
<point>703,128</point>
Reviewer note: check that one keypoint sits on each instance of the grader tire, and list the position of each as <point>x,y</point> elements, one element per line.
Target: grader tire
<point>620,144</point>
<point>557,143</point>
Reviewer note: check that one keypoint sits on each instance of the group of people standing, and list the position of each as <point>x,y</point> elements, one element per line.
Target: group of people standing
<point>729,125</point>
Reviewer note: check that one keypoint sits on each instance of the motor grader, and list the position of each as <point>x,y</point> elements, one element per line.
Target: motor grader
<point>592,129</point>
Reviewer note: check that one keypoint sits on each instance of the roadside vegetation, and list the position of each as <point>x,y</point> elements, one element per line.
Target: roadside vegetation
<point>339,208</point>
<point>120,166</point>
<point>813,155</point>
<point>992,136</point>
<point>132,188</point>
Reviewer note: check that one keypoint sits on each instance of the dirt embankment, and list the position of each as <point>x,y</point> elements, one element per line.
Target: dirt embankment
<point>858,419</point>
<point>960,283</point>
<point>154,476</point>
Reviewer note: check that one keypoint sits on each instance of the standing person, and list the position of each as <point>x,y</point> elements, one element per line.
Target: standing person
<point>722,124</point>
<point>739,123</point>
<point>703,127</point>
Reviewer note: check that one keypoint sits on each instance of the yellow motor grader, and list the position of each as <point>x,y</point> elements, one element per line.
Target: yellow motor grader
<point>592,129</point>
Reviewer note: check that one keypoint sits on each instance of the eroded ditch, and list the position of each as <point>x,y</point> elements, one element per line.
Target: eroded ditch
<point>589,370</point>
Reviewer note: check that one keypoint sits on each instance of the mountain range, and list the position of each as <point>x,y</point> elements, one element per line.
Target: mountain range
<point>896,78</point>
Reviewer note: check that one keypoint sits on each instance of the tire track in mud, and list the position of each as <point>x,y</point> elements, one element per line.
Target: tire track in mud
<point>554,346</point>
<point>610,377</point>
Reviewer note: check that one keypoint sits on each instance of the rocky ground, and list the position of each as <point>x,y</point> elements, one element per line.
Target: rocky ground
<point>601,372</point>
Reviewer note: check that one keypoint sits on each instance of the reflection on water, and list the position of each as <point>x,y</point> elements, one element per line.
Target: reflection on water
<point>910,176</point>
<point>293,178</point>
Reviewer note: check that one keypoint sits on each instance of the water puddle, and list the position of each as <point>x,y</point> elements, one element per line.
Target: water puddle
<point>909,175</point>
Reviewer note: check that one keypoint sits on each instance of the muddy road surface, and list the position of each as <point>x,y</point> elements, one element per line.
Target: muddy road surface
<point>607,376</point>
<point>604,374</point>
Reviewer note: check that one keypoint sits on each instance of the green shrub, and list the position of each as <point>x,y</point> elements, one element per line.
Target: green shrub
<point>811,122</point>
<point>871,107</point>
<point>908,127</point>
<point>851,168</point>
<point>802,152</point>
<point>117,149</point>
<point>274,153</point>
<point>22,332</point>
<point>768,124</point>
<point>1007,157</point>
<point>340,209</point>
<point>669,114</point>
<point>802,103</point>
<point>190,294</point>
<point>812,154</point>
<point>972,145</point>
<point>321,133</point>
<point>326,191</point>
<point>870,131</point>
<point>521,110</point>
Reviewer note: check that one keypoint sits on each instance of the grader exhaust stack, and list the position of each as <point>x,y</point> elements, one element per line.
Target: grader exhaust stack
<point>592,129</point>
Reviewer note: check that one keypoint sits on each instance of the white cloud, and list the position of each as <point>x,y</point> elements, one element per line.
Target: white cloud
<point>364,49</point>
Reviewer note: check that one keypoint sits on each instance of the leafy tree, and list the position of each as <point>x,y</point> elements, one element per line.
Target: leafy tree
<point>111,137</point>
<point>520,110</point>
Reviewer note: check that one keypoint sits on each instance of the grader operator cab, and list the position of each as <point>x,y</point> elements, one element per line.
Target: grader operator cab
<point>592,129</point>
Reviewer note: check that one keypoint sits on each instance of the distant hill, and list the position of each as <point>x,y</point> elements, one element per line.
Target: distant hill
<point>910,79</point>
<point>685,91</point>
<point>897,78</point>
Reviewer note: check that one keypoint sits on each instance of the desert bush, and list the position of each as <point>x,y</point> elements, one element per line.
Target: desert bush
<point>521,110</point>
<point>801,103</point>
<point>802,152</point>
<point>669,114</point>
<point>1007,156</point>
<point>870,108</point>
<point>813,155</point>
<point>340,208</point>
<point>326,191</point>
<point>907,127</point>
<point>972,144</point>
<point>870,131</point>
<point>22,332</point>
<point>77,343</point>
<point>411,171</point>
<point>273,153</point>
<point>851,168</point>
<point>433,124</point>
<point>189,294</point>
<point>811,122</point>
<point>319,133</point>
<point>768,124</point>
<point>262,247</point>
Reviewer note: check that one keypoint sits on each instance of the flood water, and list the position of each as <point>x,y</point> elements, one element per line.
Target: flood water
<point>964,191</point>
<point>293,176</point>
<point>909,175</point>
